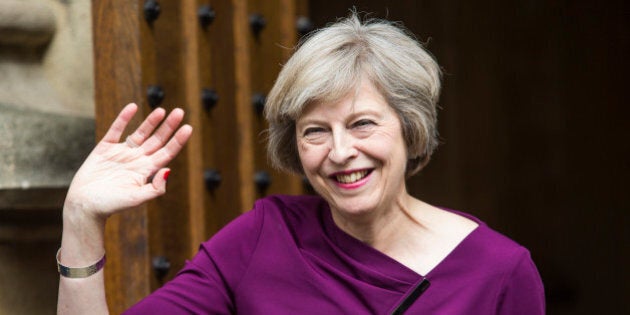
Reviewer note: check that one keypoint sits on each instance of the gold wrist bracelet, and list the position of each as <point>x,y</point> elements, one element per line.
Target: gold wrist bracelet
<point>81,272</point>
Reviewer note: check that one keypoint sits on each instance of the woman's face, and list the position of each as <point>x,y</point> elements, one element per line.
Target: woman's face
<point>353,152</point>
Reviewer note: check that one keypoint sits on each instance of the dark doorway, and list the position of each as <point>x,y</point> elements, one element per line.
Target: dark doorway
<point>534,129</point>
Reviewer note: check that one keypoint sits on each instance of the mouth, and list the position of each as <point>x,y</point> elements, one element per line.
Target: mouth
<point>350,177</point>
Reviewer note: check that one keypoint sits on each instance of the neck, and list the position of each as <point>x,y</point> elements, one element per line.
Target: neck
<point>383,227</point>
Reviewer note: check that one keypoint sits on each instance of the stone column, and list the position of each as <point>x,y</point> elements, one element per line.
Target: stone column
<point>46,130</point>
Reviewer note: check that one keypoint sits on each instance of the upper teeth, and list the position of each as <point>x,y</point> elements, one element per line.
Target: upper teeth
<point>352,177</point>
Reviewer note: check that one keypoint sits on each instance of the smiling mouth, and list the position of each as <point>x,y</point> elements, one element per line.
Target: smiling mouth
<point>350,178</point>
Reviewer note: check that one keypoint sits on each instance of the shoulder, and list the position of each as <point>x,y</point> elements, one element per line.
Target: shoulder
<point>503,264</point>
<point>499,255</point>
<point>489,242</point>
<point>498,258</point>
<point>284,209</point>
<point>293,210</point>
<point>497,245</point>
<point>289,203</point>
<point>491,253</point>
<point>270,206</point>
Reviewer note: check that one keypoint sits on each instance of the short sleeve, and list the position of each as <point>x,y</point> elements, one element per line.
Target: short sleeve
<point>522,292</point>
<point>205,285</point>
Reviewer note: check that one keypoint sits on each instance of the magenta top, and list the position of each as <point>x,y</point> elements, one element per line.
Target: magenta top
<point>287,256</point>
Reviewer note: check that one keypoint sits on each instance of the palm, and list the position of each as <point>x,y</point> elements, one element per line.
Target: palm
<point>117,176</point>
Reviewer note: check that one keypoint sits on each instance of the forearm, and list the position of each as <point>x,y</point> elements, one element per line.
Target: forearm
<point>82,244</point>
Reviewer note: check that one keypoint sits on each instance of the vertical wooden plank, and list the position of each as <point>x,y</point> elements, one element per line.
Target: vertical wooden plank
<point>288,184</point>
<point>269,50</point>
<point>301,8</point>
<point>141,54</point>
<point>193,77</point>
<point>165,65</point>
<point>243,99</point>
<point>118,80</point>
<point>223,146</point>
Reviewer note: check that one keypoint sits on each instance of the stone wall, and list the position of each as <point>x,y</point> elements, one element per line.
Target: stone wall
<point>46,130</point>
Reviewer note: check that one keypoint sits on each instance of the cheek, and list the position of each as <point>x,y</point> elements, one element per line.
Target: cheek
<point>310,156</point>
<point>385,144</point>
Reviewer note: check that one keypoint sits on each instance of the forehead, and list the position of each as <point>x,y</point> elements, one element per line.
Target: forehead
<point>364,97</point>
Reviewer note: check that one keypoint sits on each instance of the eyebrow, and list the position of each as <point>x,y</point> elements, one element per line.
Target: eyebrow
<point>352,116</point>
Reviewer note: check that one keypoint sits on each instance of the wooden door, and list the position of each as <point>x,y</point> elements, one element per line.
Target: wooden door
<point>213,59</point>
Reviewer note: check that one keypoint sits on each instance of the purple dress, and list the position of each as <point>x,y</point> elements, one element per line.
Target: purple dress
<point>287,256</point>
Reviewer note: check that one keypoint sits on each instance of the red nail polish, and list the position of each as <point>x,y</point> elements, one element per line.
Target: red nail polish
<point>166,174</point>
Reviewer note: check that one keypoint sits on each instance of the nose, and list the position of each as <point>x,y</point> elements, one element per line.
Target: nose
<point>343,148</point>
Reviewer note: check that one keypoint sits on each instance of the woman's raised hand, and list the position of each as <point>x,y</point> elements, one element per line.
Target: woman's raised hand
<point>116,175</point>
<point>123,174</point>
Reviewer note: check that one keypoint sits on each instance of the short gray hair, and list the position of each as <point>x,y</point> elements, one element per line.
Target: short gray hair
<point>331,62</point>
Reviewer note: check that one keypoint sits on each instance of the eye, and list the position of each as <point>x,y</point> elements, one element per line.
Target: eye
<point>312,131</point>
<point>362,123</point>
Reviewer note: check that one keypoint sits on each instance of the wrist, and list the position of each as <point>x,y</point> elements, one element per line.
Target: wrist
<point>79,272</point>
<point>82,240</point>
<point>81,213</point>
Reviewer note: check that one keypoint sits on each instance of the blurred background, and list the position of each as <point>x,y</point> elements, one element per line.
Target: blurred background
<point>533,124</point>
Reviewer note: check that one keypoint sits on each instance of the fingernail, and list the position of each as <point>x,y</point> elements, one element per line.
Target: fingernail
<point>166,174</point>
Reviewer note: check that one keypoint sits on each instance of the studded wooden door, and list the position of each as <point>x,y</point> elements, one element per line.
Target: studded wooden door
<point>217,60</point>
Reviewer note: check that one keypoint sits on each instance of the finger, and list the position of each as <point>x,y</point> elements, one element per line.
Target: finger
<point>164,155</point>
<point>160,178</point>
<point>164,132</point>
<point>156,187</point>
<point>120,123</point>
<point>149,124</point>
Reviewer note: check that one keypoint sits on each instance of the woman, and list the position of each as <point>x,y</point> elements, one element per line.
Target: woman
<point>354,110</point>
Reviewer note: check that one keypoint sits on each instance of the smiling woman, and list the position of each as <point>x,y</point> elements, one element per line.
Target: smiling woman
<point>354,110</point>
<point>331,64</point>
<point>353,152</point>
